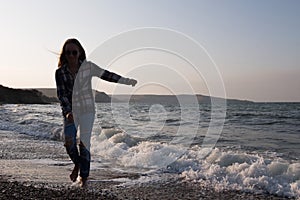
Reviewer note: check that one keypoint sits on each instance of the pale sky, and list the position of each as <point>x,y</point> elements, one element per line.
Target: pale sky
<point>255,44</point>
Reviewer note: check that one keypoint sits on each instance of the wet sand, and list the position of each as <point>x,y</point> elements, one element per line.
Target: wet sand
<point>39,169</point>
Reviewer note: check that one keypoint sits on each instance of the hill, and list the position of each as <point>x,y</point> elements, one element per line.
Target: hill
<point>48,95</point>
<point>100,97</point>
<point>172,99</point>
<point>23,96</point>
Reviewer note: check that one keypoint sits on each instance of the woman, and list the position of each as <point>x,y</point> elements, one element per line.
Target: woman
<point>73,82</point>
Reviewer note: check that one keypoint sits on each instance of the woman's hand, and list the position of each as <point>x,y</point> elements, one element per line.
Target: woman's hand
<point>132,82</point>
<point>69,117</point>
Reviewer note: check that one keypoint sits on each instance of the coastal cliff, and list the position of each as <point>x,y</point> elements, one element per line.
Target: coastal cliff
<point>23,96</point>
<point>48,95</point>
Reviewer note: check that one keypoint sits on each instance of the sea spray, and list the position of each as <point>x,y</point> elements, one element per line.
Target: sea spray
<point>250,156</point>
<point>129,151</point>
<point>247,172</point>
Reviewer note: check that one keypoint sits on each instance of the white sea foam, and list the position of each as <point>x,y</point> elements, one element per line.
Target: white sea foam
<point>42,121</point>
<point>276,173</point>
<point>221,169</point>
<point>132,152</point>
<point>241,171</point>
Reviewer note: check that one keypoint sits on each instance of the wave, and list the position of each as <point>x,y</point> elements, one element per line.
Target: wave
<point>221,169</point>
<point>224,168</point>
<point>246,172</point>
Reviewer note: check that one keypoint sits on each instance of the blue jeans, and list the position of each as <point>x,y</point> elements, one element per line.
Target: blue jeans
<point>82,158</point>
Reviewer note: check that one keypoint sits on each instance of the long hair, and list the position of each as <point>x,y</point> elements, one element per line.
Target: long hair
<point>62,58</point>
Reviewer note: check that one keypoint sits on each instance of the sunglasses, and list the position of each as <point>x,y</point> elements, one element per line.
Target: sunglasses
<point>74,53</point>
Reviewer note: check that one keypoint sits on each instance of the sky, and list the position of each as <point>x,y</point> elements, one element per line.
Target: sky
<point>255,45</point>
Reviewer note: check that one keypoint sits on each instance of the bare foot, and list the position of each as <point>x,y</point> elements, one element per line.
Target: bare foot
<point>74,174</point>
<point>83,182</point>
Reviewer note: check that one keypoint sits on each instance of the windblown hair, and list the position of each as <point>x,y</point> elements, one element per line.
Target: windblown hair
<point>62,58</point>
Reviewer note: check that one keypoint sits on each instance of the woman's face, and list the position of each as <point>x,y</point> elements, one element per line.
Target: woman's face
<point>72,53</point>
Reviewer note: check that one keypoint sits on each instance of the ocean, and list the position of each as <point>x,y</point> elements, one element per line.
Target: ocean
<point>257,151</point>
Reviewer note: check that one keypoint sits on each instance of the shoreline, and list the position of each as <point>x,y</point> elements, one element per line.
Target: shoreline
<point>109,190</point>
<point>39,169</point>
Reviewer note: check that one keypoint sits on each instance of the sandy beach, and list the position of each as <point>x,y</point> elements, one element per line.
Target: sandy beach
<point>38,169</point>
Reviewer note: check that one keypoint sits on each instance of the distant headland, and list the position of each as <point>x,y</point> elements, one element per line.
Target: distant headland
<point>23,96</point>
<point>48,96</point>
